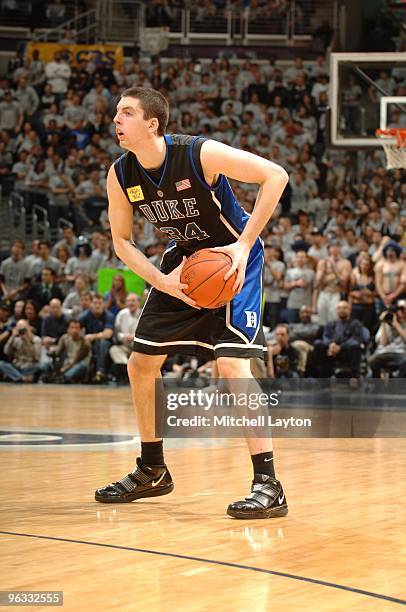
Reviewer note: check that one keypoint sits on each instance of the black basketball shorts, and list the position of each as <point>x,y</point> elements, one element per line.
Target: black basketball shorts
<point>169,326</point>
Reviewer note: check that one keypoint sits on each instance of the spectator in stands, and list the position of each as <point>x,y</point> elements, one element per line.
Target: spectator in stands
<point>81,262</point>
<point>23,349</point>
<point>6,327</point>
<point>85,301</point>
<point>62,191</point>
<point>332,279</point>
<point>390,274</point>
<point>303,336</point>
<point>362,292</point>
<point>101,252</point>
<point>390,353</point>
<point>36,185</point>
<point>318,248</point>
<point>27,97</point>
<point>98,325</point>
<point>282,357</point>
<point>11,114</point>
<point>58,73</point>
<point>31,314</point>
<point>351,95</point>
<point>115,299</point>
<point>274,271</point>
<point>44,291</point>
<point>54,324</point>
<point>74,113</point>
<point>13,273</point>
<point>6,162</point>
<point>69,240</point>
<point>21,169</point>
<point>44,260</point>
<point>63,256</point>
<point>36,71</point>
<point>74,353</point>
<point>18,312</point>
<point>124,328</point>
<point>72,300</point>
<point>299,283</point>
<point>92,192</point>
<point>341,344</point>
<point>305,330</point>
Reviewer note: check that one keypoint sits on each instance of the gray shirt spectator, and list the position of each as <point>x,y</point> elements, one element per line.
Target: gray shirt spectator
<point>44,260</point>
<point>75,113</point>
<point>13,271</point>
<point>27,97</point>
<point>299,282</point>
<point>11,113</point>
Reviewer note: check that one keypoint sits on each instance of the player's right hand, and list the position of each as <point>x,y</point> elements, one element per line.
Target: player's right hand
<point>170,284</point>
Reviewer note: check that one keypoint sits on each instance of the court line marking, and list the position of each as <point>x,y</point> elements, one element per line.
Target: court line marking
<point>214,562</point>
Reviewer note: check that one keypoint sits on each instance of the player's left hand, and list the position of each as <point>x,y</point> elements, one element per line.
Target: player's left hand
<point>239,253</point>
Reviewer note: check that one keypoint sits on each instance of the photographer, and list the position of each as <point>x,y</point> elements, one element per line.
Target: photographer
<point>70,358</point>
<point>391,342</point>
<point>23,348</point>
<point>283,357</point>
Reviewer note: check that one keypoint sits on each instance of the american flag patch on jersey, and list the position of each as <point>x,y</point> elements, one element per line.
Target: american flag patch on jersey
<point>183,184</point>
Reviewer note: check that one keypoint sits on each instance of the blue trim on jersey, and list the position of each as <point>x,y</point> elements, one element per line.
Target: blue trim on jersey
<point>231,209</point>
<point>119,161</point>
<point>249,300</point>
<point>168,139</point>
<point>157,185</point>
<point>192,161</point>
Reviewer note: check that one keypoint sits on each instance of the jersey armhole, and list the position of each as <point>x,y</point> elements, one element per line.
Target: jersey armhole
<point>119,170</point>
<point>195,149</point>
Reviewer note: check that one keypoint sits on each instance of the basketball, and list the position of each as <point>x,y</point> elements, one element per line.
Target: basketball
<point>204,273</point>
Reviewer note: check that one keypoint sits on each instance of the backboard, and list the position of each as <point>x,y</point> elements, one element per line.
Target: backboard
<point>367,92</point>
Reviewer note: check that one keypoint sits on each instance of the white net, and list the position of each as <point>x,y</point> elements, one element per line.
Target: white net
<point>394,144</point>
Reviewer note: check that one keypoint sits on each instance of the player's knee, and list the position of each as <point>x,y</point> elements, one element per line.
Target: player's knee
<point>143,365</point>
<point>233,367</point>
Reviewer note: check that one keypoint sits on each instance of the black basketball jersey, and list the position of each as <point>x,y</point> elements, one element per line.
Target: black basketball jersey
<point>181,204</point>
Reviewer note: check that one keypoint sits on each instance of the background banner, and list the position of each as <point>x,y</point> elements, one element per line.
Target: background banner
<point>111,55</point>
<point>133,282</point>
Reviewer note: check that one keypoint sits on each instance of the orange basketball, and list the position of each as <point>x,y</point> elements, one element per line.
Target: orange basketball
<point>204,273</point>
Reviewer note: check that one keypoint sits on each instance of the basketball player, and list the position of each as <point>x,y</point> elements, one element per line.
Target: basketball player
<point>179,184</point>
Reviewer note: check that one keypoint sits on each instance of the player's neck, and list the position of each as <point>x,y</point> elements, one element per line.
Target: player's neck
<point>151,155</point>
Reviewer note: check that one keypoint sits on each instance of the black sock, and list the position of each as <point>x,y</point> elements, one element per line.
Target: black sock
<point>263,464</point>
<point>152,453</point>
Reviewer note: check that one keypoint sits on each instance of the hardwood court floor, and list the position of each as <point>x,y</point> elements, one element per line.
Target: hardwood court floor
<point>340,547</point>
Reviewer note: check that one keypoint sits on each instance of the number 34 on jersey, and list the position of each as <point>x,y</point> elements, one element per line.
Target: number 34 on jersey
<point>166,210</point>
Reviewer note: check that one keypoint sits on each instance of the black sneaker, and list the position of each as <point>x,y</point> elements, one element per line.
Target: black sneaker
<point>266,500</point>
<point>145,481</point>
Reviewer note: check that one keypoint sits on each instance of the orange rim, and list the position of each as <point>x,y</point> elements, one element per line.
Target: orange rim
<point>398,133</point>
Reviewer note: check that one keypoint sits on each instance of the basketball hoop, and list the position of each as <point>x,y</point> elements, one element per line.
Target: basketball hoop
<point>393,141</point>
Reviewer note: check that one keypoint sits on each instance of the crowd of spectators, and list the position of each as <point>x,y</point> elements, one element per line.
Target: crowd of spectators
<point>335,273</point>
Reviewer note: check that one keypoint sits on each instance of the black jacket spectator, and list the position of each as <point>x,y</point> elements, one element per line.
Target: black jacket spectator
<point>54,325</point>
<point>341,345</point>
<point>46,290</point>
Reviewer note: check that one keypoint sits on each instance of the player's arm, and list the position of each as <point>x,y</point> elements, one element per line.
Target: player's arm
<point>121,223</point>
<point>218,158</point>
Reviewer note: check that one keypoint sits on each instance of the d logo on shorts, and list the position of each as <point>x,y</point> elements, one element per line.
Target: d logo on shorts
<point>251,318</point>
